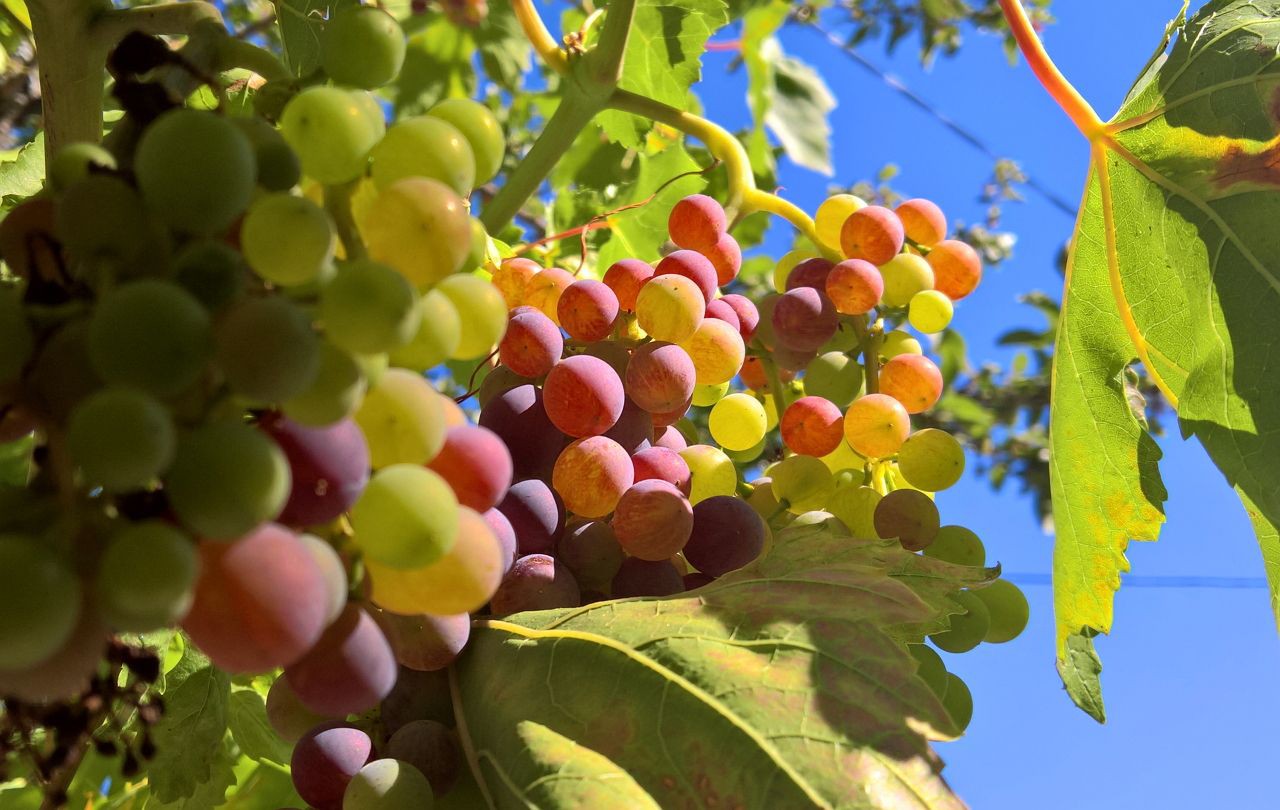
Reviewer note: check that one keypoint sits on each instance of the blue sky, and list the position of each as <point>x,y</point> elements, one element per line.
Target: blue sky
<point>1187,671</point>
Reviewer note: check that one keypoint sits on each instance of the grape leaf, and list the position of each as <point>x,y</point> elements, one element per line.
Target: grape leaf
<point>301,22</point>
<point>638,232</point>
<point>569,775</point>
<point>504,51</point>
<point>785,684</point>
<point>437,64</point>
<point>189,735</point>
<point>1177,265</point>
<point>23,175</point>
<point>663,58</point>
<point>247,719</point>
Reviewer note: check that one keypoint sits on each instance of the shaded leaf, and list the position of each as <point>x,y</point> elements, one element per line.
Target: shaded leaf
<point>189,735</point>
<point>22,176</point>
<point>437,64</point>
<point>247,719</point>
<point>1080,669</point>
<point>301,23</point>
<point>504,51</point>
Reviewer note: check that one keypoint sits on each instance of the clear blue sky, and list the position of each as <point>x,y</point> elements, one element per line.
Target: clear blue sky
<point>1188,672</point>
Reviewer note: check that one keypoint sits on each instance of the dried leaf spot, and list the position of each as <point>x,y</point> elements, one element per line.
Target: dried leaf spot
<point>1240,165</point>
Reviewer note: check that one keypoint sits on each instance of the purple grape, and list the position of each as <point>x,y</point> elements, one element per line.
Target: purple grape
<point>637,577</point>
<point>505,535</point>
<point>417,696</point>
<point>591,551</point>
<point>330,467</point>
<point>431,748</point>
<point>727,534</point>
<point>536,515</point>
<point>348,670</point>
<point>537,582</point>
<point>633,428</point>
<point>519,419</point>
<point>423,642</point>
<point>324,761</point>
<point>803,319</point>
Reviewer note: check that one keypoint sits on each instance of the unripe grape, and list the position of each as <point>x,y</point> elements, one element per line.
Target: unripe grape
<point>420,227</point>
<point>278,168</point>
<point>335,393</point>
<point>929,668</point>
<point>543,291</point>
<point>873,233</point>
<point>625,278</point>
<point>267,350</point>
<point>898,342</point>
<point>831,216</point>
<point>876,425</point>
<point>424,146</point>
<point>76,161</point>
<point>854,286</point>
<point>227,478</point>
<point>403,419</point>
<point>407,518</point>
<point>908,515</point>
<point>737,422</point>
<point>369,308</point>
<point>913,380</point>
<point>121,439</point>
<point>211,271</point>
<point>855,506</point>
<point>930,311</point>
<point>904,276</point>
<point>968,627</point>
<point>834,376</point>
<point>39,602</point>
<point>696,222</point>
<point>481,311</point>
<point>286,239</point>
<point>438,337</point>
<point>956,544</point>
<point>481,128</point>
<point>931,460</point>
<point>717,351</point>
<point>922,221</point>
<point>461,580</point>
<point>100,219</point>
<point>704,396</point>
<point>1008,608</point>
<point>362,46</point>
<point>957,268</point>
<point>804,482</point>
<point>958,701</point>
<point>150,334</point>
<point>332,132</point>
<point>844,458</point>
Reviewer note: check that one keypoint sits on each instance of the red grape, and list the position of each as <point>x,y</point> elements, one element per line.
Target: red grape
<point>625,278</point>
<point>855,286</point>
<point>810,273</point>
<point>329,467</point>
<point>726,257</point>
<point>748,315</point>
<point>591,475</point>
<point>873,233</point>
<point>663,464</point>
<point>583,396</point>
<point>417,696</point>
<point>325,760</point>
<point>637,577</point>
<point>536,582</point>
<point>633,429</point>
<point>913,380</point>
<point>532,343</point>
<point>908,515</point>
<point>791,360</point>
<point>727,534</point>
<point>696,222</point>
<point>693,266</point>
<point>504,534</point>
<point>520,420</point>
<point>653,520</point>
<point>804,319</point>
<point>721,311</point>
<point>476,464</point>
<point>669,437</point>
<point>430,747</point>
<point>536,515</point>
<point>660,377</point>
<point>812,426</point>
<point>588,310</point>
<point>348,670</point>
<point>696,580</point>
<point>922,221</point>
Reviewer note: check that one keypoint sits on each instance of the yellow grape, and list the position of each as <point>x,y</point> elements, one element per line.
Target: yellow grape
<point>831,216</point>
<point>543,290</point>
<point>804,482</point>
<point>905,275</point>
<point>670,308</point>
<point>770,411</point>
<point>711,472</point>
<point>855,506</point>
<point>420,227</point>
<point>482,314</point>
<point>843,458</point>
<point>717,351</point>
<point>788,263</point>
<point>704,396</point>
<point>461,581</point>
<point>931,460</point>
<point>930,311</point>
<point>761,498</point>
<point>402,418</point>
<point>738,422</point>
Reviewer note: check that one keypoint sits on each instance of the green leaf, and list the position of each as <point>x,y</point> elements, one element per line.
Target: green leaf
<point>208,793</point>
<point>784,684</point>
<point>504,51</point>
<point>565,774</point>
<point>799,102</point>
<point>1080,669</point>
<point>189,735</point>
<point>301,23</point>
<point>437,64</point>
<point>639,232</point>
<point>23,176</point>
<point>663,58</point>
<point>247,718</point>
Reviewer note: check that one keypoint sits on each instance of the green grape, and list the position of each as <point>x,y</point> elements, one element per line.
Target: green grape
<point>711,472</point>
<point>898,342</point>
<point>845,341</point>
<point>425,146</point>
<point>1008,608</point>
<point>958,701</point>
<point>956,544</point>
<point>438,336</point>
<point>195,170</point>
<point>15,334</point>
<point>817,517</point>
<point>420,227</point>
<point>286,239</point>
<point>688,430</point>
<point>388,784</point>
<point>403,419</point>
<point>737,422</point>
<point>102,219</point>
<point>749,455</point>
<point>761,498</point>
<point>804,482</point>
<point>373,366</point>
<point>929,668</point>
<point>931,460</point>
<point>930,311</point>
<point>39,602</point>
<point>905,275</point>
<point>121,439</point>
<point>967,628</point>
<point>146,577</point>
<point>267,349</point>
<point>362,46</point>
<point>482,312</point>
<point>704,396</point>
<point>481,129</point>
<point>844,458</point>
<point>331,132</point>
<point>855,505</point>
<point>368,308</point>
<point>834,376</point>
<point>278,167</point>
<point>76,161</point>
<point>407,517</point>
<point>225,479</point>
<point>831,215</point>
<point>334,394</point>
<point>150,334</point>
<point>212,271</point>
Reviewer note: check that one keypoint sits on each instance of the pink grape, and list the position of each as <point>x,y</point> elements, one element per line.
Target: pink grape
<point>583,396</point>
<point>476,464</point>
<point>637,577</point>
<point>591,551</point>
<point>791,360</point>
<point>536,582</point>
<point>726,257</point>
<point>672,416</point>
<point>329,468</point>
<point>536,515</point>
<point>727,534</point>
<point>855,287</point>
<point>532,343</point>
<point>660,377</point>
<point>669,437</point>
<point>721,311</point>
<point>748,315</point>
<point>423,642</point>
<point>804,319</point>
<point>633,429</point>
<point>588,309</point>
<point>505,534</point>
<point>591,475</point>
<point>873,233</point>
<point>810,273</point>
<point>663,464</point>
<point>653,520</point>
<point>350,668</point>
<point>693,266</point>
<point>922,221</point>
<point>325,760</point>
<point>520,420</point>
<point>696,222</point>
<point>625,278</point>
<point>913,380</point>
<point>957,268</point>
<point>812,426</point>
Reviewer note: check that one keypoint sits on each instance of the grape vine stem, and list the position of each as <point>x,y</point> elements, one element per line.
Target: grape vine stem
<point>535,30</point>
<point>337,201</point>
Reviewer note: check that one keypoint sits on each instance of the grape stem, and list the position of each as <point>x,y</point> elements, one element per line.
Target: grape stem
<point>1061,90</point>
<point>776,389</point>
<point>535,30</point>
<point>869,342</point>
<point>337,201</point>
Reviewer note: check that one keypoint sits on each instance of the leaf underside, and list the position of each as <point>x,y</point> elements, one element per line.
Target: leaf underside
<point>1177,265</point>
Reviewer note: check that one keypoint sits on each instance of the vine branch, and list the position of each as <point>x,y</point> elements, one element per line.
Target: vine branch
<point>535,30</point>
<point>1062,91</point>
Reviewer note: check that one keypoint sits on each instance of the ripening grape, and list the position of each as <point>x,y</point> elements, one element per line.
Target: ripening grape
<point>834,376</point>
<point>910,516</point>
<point>746,456</point>
<point>854,286</point>
<point>929,668</point>
<point>260,602</point>
<point>855,506</point>
<point>325,760</point>
<point>843,458</point>
<point>748,315</point>
<point>726,257</point>
<point>930,311</point>
<point>660,377</point>
<point>761,498</point>
<point>968,627</point>
<point>481,129</point>
<point>406,518</point>
<point>532,343</point>
<point>693,266</point>
<point>792,360</point>
<point>956,544</point>
<point>831,216</point>
<point>536,582</point>
<point>591,475</point>
<point>803,482</point>
<point>333,570</point>
<point>957,268</point>
<point>330,132</point>
<point>476,464</point>
<point>482,314</point>
<point>669,437</point>
<point>1008,609</point>
<point>536,515</point>
<point>721,311</point>
<point>120,439</point>
<point>958,701</point>
<point>512,277</point>
<point>213,272</point>
<point>286,239</point>
<point>369,308</point>
<point>696,222</point>
<point>225,479</point>
<point>663,464</point>
<point>519,419</point>
<point>267,350</point>
<point>145,577</point>
<point>625,278</point>
<point>583,396</point>
<point>711,472</point>
<point>587,310</point>
<point>634,427</point>
<point>362,46</point>
<point>913,380</point>
<point>195,170</point>
<point>640,578</point>
<point>727,534</point>
<point>420,227</point>
<point>876,425</point>
<point>670,307</point>
<point>931,460</point>
<point>652,520</point>
<point>277,166</point>
<point>922,221</point>
<point>592,553</point>
<point>812,426</point>
<point>39,602</point>
<point>76,161</point>
<point>810,273</point>
<point>873,233</point>
<point>421,641</point>
<point>803,319</point>
<point>430,747</point>
<point>329,467</point>
<point>66,673</point>
<point>349,668</point>
<point>149,334</point>
<point>439,333</point>
<point>403,419</point>
<point>417,696</point>
<point>717,351</point>
<point>770,411</point>
<point>737,422</point>
<point>789,261</point>
<point>898,342</point>
<point>335,393</point>
<point>424,146</point>
<point>543,291</point>
<point>904,276</point>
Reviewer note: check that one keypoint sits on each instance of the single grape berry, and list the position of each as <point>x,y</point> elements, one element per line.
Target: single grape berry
<point>697,222</point>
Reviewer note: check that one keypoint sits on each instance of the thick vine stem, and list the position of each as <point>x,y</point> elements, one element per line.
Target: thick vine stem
<point>237,53</point>
<point>164,18</point>
<point>1068,98</point>
<point>535,30</point>
<point>606,58</point>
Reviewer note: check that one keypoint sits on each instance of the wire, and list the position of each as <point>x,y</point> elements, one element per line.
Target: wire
<point>1140,581</point>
